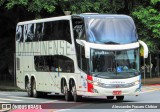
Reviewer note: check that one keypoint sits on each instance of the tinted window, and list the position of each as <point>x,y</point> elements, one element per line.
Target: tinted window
<point>25,32</point>
<point>47,31</point>
<point>79,33</point>
<point>54,30</point>
<point>78,28</point>
<point>39,32</point>
<point>30,33</point>
<point>57,30</point>
<point>54,64</point>
<point>83,62</point>
<point>19,33</point>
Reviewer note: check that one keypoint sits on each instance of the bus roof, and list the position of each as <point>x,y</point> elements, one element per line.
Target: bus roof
<point>45,19</point>
<point>84,15</point>
<point>96,15</point>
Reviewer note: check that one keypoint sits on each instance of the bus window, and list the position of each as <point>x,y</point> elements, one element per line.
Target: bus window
<point>66,64</point>
<point>39,32</point>
<point>78,28</point>
<point>30,33</point>
<point>47,31</point>
<point>57,30</point>
<point>19,34</point>
<point>51,63</point>
<point>82,60</point>
<point>25,32</point>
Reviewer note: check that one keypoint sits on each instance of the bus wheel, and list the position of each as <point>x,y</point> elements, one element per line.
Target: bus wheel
<point>36,94</point>
<point>76,97</point>
<point>110,97</point>
<point>119,98</point>
<point>67,93</point>
<point>29,89</point>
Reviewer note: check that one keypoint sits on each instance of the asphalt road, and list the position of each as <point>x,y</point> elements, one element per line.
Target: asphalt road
<point>150,94</point>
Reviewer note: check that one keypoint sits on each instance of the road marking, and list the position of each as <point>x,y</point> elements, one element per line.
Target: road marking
<point>50,101</point>
<point>62,110</point>
<point>130,110</point>
<point>149,89</point>
<point>74,107</point>
<point>21,97</point>
<point>3,94</point>
<point>4,102</point>
<point>9,99</point>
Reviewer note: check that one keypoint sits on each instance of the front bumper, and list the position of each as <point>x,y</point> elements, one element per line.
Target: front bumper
<point>99,91</point>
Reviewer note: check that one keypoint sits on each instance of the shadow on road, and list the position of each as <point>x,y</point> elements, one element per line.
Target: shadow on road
<point>86,99</point>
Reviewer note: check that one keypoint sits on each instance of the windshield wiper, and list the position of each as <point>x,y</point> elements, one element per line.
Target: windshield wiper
<point>97,74</point>
<point>110,42</point>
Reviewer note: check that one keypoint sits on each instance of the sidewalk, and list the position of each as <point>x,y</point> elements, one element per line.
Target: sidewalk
<point>8,86</point>
<point>151,81</point>
<point>147,81</point>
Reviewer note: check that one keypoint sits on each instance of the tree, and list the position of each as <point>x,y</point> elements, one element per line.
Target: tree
<point>76,6</point>
<point>101,6</point>
<point>33,6</point>
<point>145,12</point>
<point>148,23</point>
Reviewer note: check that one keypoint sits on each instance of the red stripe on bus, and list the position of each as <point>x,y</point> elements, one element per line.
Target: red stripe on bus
<point>90,86</point>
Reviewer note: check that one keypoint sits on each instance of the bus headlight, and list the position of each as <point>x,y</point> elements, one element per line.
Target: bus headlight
<point>89,81</point>
<point>137,82</point>
<point>95,83</point>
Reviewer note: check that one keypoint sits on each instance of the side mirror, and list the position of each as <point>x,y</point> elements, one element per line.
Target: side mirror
<point>145,49</point>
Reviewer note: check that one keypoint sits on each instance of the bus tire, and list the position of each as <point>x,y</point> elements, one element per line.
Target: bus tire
<point>36,94</point>
<point>76,98</point>
<point>110,97</point>
<point>67,94</point>
<point>120,98</point>
<point>29,89</point>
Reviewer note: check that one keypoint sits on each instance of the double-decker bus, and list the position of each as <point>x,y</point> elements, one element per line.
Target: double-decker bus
<point>79,55</point>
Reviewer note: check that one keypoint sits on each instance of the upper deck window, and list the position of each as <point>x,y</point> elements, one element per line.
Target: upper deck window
<point>44,31</point>
<point>19,33</point>
<point>111,30</point>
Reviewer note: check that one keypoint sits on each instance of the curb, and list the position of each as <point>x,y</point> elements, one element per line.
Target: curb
<point>10,88</point>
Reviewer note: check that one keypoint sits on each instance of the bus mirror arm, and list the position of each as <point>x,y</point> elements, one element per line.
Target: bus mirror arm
<point>145,51</point>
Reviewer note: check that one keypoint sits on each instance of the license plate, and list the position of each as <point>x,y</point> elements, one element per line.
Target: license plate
<point>117,92</point>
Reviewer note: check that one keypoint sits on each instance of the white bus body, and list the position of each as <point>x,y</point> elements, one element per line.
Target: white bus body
<point>79,55</point>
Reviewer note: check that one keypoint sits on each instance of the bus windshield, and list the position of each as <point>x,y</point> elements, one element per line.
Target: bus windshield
<point>110,30</point>
<point>115,64</point>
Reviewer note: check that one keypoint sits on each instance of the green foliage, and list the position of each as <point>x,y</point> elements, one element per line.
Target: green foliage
<point>76,6</point>
<point>32,5</point>
<point>100,6</point>
<point>146,13</point>
<point>148,20</point>
<point>2,2</point>
<point>38,5</point>
<point>155,1</point>
<point>12,3</point>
